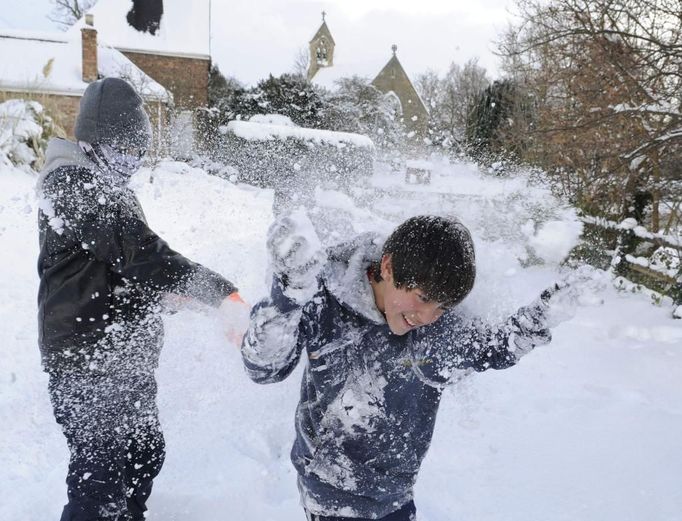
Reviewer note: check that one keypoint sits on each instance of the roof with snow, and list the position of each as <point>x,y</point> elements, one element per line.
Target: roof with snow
<point>184,28</point>
<point>52,63</point>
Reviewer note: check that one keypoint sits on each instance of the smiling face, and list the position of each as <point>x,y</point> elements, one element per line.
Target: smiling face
<point>404,309</point>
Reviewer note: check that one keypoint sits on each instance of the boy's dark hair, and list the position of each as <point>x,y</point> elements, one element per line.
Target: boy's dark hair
<point>434,254</point>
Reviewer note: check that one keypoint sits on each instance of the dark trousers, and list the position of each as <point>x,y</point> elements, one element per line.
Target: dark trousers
<point>407,512</point>
<point>112,430</point>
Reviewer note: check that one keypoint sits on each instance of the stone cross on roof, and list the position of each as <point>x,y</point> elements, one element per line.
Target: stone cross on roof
<point>324,14</point>
<point>394,48</point>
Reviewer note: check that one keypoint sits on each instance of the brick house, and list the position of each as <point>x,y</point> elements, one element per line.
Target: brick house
<point>177,55</point>
<point>392,79</point>
<point>55,68</point>
<point>174,51</point>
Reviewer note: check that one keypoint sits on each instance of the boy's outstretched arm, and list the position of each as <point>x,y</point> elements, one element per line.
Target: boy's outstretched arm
<point>456,345</point>
<point>113,229</point>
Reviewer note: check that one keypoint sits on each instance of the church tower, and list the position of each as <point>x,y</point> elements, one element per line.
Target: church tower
<point>321,49</point>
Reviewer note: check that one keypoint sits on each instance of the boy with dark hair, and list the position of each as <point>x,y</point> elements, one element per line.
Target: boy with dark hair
<point>378,355</point>
<point>103,273</point>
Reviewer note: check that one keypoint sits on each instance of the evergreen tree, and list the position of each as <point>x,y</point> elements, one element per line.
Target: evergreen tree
<point>494,119</point>
<point>293,96</point>
<point>220,87</point>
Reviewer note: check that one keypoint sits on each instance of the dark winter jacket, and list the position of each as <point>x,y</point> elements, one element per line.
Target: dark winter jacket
<point>369,398</point>
<point>102,270</point>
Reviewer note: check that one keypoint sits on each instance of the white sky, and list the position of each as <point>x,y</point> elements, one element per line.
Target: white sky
<point>252,38</point>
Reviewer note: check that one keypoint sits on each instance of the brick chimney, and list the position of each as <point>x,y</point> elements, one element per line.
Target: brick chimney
<point>89,47</point>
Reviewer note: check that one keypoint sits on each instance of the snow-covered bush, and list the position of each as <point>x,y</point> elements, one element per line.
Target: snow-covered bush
<point>666,260</point>
<point>25,129</point>
<point>355,106</point>
<point>272,119</point>
<point>291,158</point>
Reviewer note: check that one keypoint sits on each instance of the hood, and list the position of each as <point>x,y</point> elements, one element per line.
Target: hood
<point>61,152</point>
<point>345,274</point>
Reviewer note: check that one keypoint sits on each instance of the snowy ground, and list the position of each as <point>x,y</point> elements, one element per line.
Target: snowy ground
<point>587,428</point>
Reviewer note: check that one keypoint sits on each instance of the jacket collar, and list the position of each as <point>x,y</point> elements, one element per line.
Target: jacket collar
<point>114,171</point>
<point>61,152</point>
<point>345,275</point>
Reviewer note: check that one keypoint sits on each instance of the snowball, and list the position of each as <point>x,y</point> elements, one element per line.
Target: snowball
<point>303,227</point>
<point>554,240</point>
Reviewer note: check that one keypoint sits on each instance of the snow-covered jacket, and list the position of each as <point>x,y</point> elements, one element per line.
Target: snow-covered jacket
<point>102,270</point>
<point>369,398</point>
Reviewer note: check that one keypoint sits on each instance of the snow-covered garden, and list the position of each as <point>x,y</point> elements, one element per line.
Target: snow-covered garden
<point>585,428</point>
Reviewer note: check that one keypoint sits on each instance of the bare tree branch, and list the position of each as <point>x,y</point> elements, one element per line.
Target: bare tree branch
<point>68,12</point>
<point>302,62</point>
<point>605,77</point>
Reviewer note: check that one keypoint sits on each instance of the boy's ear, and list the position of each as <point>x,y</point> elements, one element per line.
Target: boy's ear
<point>387,267</point>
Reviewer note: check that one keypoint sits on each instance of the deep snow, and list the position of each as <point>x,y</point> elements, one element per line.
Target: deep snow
<point>587,428</point>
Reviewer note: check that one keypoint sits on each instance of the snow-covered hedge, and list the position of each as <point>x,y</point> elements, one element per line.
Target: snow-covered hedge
<point>24,131</point>
<point>271,151</point>
<point>266,128</point>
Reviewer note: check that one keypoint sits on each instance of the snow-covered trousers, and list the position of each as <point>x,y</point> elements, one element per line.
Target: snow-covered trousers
<point>407,512</point>
<point>113,433</point>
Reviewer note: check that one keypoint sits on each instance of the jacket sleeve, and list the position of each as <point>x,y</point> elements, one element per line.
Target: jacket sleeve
<point>455,345</point>
<point>278,332</point>
<point>111,226</point>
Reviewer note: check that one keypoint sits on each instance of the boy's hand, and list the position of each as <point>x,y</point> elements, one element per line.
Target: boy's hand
<point>578,287</point>
<point>296,255</point>
<point>560,301</point>
<point>234,314</point>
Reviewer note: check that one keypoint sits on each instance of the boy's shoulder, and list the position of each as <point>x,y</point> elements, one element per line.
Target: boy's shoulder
<point>66,179</point>
<point>63,159</point>
<point>345,274</point>
<point>70,188</point>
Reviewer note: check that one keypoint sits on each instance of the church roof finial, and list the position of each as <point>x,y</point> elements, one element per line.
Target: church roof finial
<point>394,48</point>
<point>324,16</point>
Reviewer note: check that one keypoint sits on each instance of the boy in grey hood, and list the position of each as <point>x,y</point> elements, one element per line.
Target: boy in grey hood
<point>378,325</point>
<point>102,274</point>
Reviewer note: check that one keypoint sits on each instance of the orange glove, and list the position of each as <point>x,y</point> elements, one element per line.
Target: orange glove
<point>236,297</point>
<point>235,316</point>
